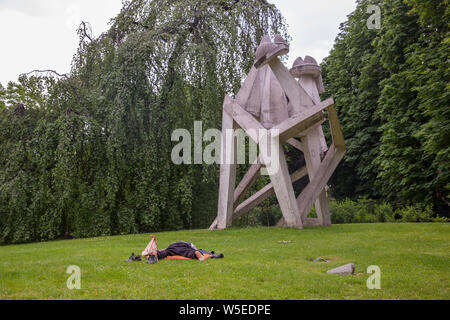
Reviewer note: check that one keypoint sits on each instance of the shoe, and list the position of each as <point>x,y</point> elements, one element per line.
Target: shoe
<point>218,256</point>
<point>152,259</point>
<point>133,258</point>
<point>130,259</point>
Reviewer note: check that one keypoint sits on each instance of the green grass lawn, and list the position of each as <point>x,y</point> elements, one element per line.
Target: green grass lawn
<point>260,264</point>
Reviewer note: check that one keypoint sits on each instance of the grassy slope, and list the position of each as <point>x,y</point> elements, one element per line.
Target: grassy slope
<point>414,260</point>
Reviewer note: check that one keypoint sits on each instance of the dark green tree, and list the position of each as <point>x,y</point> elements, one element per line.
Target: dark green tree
<point>430,75</point>
<point>391,88</point>
<point>352,73</point>
<point>403,167</point>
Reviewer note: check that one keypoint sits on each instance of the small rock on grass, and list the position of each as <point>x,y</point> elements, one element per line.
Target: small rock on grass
<point>347,270</point>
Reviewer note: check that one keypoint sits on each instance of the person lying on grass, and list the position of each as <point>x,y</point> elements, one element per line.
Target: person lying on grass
<point>177,250</point>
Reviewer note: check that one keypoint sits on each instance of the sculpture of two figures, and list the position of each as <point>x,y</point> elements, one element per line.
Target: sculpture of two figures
<point>286,102</point>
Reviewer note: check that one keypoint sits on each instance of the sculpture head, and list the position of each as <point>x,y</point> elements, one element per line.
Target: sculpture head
<point>308,67</point>
<point>268,50</point>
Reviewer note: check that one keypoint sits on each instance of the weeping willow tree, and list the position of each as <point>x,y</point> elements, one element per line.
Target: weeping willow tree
<point>101,139</point>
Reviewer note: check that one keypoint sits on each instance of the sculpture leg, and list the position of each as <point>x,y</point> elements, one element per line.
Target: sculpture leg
<point>317,184</point>
<point>227,174</point>
<point>284,191</point>
<point>312,151</point>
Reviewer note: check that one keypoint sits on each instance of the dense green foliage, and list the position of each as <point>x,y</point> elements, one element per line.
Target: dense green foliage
<point>391,87</point>
<point>345,211</point>
<point>90,152</point>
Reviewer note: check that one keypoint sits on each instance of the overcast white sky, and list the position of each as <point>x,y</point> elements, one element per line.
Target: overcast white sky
<point>41,34</point>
